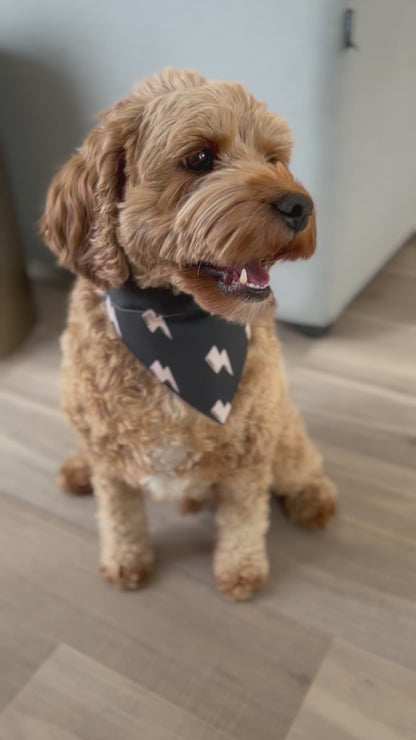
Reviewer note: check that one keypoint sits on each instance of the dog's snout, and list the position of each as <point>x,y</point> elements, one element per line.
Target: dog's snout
<point>295,208</point>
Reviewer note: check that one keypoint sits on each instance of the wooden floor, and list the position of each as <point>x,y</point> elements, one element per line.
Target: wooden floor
<point>326,652</point>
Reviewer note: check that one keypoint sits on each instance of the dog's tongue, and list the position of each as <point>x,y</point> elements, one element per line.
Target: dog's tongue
<point>256,274</point>
<point>252,273</point>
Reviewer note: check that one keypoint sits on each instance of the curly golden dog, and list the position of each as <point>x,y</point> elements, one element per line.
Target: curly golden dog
<point>184,187</point>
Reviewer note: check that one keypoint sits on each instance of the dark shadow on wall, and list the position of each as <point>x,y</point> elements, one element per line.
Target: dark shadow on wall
<point>40,124</point>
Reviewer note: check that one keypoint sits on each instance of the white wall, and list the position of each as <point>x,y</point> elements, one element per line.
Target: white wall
<point>352,112</point>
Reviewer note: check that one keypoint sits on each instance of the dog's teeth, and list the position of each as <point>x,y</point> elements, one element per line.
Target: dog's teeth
<point>243,276</point>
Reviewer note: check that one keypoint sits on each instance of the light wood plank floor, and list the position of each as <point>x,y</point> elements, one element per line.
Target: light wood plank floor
<point>72,696</point>
<point>326,652</point>
<point>356,696</point>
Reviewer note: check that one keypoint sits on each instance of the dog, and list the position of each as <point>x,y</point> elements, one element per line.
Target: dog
<point>175,208</point>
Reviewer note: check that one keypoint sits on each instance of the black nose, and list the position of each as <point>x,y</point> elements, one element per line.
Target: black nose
<point>295,209</point>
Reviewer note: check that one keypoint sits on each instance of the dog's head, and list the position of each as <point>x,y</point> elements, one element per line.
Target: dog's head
<point>184,184</point>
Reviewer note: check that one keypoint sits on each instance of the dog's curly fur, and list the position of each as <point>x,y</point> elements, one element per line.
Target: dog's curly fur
<point>125,204</point>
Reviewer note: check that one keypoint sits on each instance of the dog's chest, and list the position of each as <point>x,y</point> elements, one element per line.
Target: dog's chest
<point>170,477</point>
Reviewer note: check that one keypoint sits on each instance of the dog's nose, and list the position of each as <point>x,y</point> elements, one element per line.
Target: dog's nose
<point>295,208</point>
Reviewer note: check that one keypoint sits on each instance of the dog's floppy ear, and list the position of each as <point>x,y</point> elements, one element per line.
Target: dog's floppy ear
<point>79,223</point>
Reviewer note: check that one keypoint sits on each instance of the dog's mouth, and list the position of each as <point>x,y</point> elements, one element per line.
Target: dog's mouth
<point>249,281</point>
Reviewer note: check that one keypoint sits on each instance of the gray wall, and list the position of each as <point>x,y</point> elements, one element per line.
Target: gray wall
<point>353,113</point>
<point>61,62</point>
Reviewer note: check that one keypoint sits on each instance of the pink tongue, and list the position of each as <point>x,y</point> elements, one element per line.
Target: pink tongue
<point>256,274</point>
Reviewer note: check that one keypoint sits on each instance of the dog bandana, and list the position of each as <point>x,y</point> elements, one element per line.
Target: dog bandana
<point>197,355</point>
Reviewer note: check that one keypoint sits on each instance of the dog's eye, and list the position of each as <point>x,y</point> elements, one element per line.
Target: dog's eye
<point>272,160</point>
<point>200,161</point>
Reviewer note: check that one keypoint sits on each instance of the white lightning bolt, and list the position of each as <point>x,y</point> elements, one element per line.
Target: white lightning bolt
<point>112,315</point>
<point>153,322</point>
<point>218,360</point>
<point>164,374</point>
<point>221,410</point>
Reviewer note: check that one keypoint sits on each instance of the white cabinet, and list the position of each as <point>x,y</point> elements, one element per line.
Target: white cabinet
<point>366,188</point>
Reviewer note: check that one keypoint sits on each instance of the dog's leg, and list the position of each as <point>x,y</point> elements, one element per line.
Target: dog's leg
<point>75,475</point>
<point>240,560</point>
<point>126,553</point>
<point>308,497</point>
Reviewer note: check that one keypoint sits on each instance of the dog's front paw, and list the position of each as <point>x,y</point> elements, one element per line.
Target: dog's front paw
<point>127,572</point>
<point>238,581</point>
<point>314,506</point>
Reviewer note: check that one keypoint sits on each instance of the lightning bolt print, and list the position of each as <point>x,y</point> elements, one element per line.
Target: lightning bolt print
<point>221,410</point>
<point>218,360</point>
<point>154,321</point>
<point>164,374</point>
